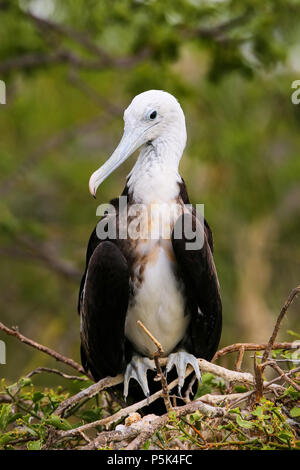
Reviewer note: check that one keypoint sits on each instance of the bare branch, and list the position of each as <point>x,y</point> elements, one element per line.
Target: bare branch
<point>250,347</point>
<point>284,309</point>
<point>156,357</point>
<point>258,370</point>
<point>197,405</point>
<point>282,374</point>
<point>89,392</point>
<point>59,357</point>
<point>39,370</point>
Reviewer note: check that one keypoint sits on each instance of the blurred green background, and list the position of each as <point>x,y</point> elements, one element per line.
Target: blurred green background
<point>70,69</point>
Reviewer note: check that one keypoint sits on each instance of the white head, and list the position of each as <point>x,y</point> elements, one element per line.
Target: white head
<point>153,116</point>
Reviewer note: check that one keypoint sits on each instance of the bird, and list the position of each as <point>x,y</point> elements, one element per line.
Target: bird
<point>159,280</point>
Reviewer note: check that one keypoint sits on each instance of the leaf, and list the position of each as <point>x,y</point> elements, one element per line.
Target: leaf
<point>258,411</point>
<point>5,415</point>
<point>34,445</point>
<point>295,412</point>
<point>203,390</point>
<point>146,445</point>
<point>24,382</point>
<point>293,333</point>
<point>5,438</point>
<point>91,415</point>
<point>37,396</point>
<point>59,423</point>
<point>194,417</point>
<point>285,437</point>
<point>243,423</point>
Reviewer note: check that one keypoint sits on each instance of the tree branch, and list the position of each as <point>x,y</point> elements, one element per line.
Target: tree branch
<point>284,309</point>
<point>59,357</point>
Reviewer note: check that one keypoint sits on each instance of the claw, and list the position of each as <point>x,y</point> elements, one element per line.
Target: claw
<point>137,369</point>
<point>180,360</point>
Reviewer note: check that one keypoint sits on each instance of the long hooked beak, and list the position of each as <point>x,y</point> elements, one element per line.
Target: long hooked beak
<point>130,142</point>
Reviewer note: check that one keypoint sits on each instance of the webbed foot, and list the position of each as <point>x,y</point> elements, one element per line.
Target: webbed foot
<point>137,369</point>
<point>180,360</point>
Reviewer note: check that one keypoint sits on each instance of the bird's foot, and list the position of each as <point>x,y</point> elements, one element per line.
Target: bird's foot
<point>180,360</point>
<point>137,369</point>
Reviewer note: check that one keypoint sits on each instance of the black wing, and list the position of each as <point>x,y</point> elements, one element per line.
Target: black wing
<point>102,305</point>
<point>197,270</point>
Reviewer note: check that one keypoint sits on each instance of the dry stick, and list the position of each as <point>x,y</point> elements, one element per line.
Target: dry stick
<point>189,389</point>
<point>38,370</point>
<point>150,428</point>
<point>288,302</point>
<point>232,376</point>
<point>258,380</point>
<point>197,405</point>
<point>239,360</point>
<point>123,412</point>
<point>287,374</point>
<point>282,374</point>
<point>259,368</point>
<point>88,392</point>
<point>59,357</point>
<point>250,347</point>
<point>266,386</point>
<point>156,357</point>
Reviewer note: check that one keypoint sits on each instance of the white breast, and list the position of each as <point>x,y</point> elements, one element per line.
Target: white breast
<point>158,300</point>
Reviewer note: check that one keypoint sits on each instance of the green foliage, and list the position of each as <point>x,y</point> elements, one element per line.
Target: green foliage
<point>262,427</point>
<point>30,425</point>
<point>210,383</point>
<point>29,420</point>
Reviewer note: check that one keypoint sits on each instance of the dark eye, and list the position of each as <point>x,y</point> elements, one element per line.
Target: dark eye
<point>153,115</point>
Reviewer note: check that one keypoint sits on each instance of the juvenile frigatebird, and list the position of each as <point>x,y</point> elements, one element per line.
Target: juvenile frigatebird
<point>173,290</point>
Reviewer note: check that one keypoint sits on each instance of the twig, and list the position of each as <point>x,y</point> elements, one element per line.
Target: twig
<point>258,369</point>
<point>160,375</point>
<point>250,347</point>
<point>38,370</point>
<point>197,405</point>
<point>157,343</point>
<point>77,36</point>
<point>59,357</point>
<point>282,374</point>
<point>284,309</point>
<point>88,392</point>
<point>189,389</point>
<point>106,437</point>
<point>5,398</point>
<point>239,359</point>
<point>123,412</point>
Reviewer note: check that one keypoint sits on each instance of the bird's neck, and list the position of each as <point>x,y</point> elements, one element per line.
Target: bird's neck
<point>155,177</point>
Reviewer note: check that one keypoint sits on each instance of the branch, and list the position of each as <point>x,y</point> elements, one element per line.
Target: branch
<point>39,370</point>
<point>47,255</point>
<point>250,347</point>
<point>88,392</point>
<point>160,375</point>
<point>197,405</point>
<point>284,309</point>
<point>282,374</point>
<point>59,357</point>
<point>77,36</point>
<point>217,33</point>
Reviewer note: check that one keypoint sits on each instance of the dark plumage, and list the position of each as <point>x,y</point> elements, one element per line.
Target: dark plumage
<point>174,291</point>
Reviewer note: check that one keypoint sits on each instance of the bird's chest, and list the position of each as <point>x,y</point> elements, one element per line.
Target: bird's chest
<point>157,299</point>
